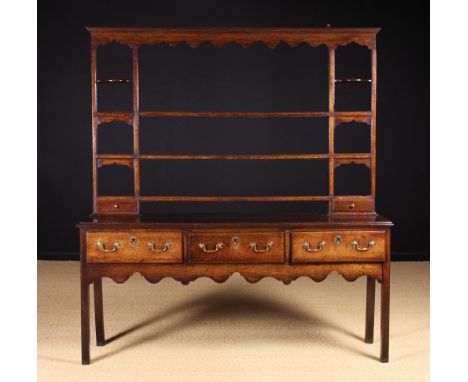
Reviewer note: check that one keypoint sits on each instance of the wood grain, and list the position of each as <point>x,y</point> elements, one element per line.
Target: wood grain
<point>334,252</point>
<point>138,253</point>
<point>118,219</point>
<point>187,273</point>
<point>240,252</point>
<point>332,37</point>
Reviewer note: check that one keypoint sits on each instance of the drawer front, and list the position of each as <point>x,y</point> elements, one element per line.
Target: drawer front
<point>353,206</point>
<point>237,247</point>
<point>337,246</point>
<point>134,247</point>
<point>116,207</point>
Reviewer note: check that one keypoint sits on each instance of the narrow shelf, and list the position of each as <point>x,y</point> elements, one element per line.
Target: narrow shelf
<point>234,156</point>
<point>114,156</point>
<point>233,198</point>
<point>352,155</point>
<point>353,80</point>
<point>127,116</point>
<point>121,198</point>
<point>114,81</point>
<point>212,114</point>
<point>340,198</point>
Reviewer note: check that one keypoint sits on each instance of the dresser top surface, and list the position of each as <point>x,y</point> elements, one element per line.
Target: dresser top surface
<point>237,220</point>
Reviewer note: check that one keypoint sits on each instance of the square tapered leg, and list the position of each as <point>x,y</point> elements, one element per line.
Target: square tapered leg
<point>370,308</point>
<point>99,313</point>
<point>84,319</point>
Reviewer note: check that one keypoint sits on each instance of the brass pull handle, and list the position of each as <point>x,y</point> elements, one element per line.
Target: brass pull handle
<point>370,245</point>
<point>164,248</point>
<point>217,247</point>
<point>321,245</point>
<point>269,246</point>
<point>115,247</point>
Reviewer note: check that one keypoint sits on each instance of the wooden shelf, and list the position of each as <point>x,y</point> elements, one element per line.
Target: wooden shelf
<point>353,80</point>
<point>114,156</point>
<point>213,114</point>
<point>347,114</point>
<point>233,156</point>
<point>233,198</point>
<point>350,156</point>
<point>114,81</point>
<point>127,116</point>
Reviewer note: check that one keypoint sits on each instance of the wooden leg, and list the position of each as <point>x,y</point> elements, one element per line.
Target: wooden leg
<point>370,307</point>
<point>84,319</point>
<point>99,313</point>
<point>385,313</point>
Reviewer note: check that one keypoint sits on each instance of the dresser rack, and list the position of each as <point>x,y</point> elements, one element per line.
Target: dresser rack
<point>117,240</point>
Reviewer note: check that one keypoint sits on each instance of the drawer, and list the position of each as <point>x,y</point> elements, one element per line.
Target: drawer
<point>337,246</point>
<point>116,206</point>
<point>353,205</point>
<point>134,247</point>
<point>237,247</point>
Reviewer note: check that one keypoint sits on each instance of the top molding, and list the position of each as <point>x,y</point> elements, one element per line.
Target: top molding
<point>245,37</point>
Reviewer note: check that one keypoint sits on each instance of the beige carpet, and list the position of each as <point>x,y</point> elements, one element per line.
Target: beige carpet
<point>235,331</point>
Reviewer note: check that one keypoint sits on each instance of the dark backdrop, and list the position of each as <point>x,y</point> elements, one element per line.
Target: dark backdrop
<point>64,123</point>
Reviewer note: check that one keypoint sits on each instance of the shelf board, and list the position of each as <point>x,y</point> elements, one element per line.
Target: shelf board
<point>127,116</point>
<point>233,198</point>
<point>114,81</point>
<point>212,114</point>
<point>114,156</point>
<point>352,155</point>
<point>353,80</point>
<point>235,156</point>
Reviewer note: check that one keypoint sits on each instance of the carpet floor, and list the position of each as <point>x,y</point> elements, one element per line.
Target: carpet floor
<point>235,331</point>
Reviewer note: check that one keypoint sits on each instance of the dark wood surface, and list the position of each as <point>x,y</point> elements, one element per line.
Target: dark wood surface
<point>235,220</point>
<point>332,37</point>
<point>118,241</point>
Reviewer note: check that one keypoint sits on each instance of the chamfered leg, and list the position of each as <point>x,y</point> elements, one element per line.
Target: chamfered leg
<point>385,304</point>
<point>99,313</point>
<point>370,308</point>
<point>84,318</point>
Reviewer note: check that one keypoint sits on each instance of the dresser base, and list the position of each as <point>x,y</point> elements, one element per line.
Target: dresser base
<point>188,249</point>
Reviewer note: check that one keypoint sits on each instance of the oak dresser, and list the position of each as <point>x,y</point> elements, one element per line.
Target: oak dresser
<point>118,239</point>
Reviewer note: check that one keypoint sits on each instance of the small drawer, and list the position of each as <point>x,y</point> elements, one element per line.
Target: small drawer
<point>337,246</point>
<point>352,206</point>
<point>237,247</point>
<point>134,247</point>
<point>124,206</point>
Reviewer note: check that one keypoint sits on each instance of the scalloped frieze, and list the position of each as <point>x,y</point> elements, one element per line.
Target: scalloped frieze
<point>245,37</point>
<point>252,274</point>
<point>217,44</point>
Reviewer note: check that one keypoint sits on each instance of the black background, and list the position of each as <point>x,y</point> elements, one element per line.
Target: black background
<point>64,112</point>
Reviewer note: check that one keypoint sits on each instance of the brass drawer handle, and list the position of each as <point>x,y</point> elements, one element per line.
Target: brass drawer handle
<point>370,245</point>
<point>115,247</point>
<point>216,248</point>
<point>269,246</point>
<point>321,245</point>
<point>164,248</point>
